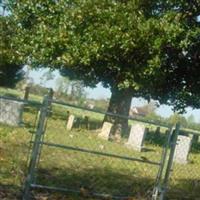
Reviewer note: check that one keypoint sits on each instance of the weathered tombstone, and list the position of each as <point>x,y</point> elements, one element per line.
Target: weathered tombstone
<point>136,137</point>
<point>11,112</point>
<point>182,149</point>
<point>105,131</point>
<point>70,122</point>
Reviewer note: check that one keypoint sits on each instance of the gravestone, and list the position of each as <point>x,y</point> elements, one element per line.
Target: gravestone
<point>182,149</point>
<point>136,137</point>
<point>11,112</point>
<point>70,122</point>
<point>105,131</point>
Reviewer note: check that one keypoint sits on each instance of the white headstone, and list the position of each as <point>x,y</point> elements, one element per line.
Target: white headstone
<point>105,131</point>
<point>11,112</point>
<point>70,122</point>
<point>182,149</point>
<point>136,137</point>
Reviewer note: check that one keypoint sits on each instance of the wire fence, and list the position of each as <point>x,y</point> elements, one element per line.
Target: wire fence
<point>71,150</point>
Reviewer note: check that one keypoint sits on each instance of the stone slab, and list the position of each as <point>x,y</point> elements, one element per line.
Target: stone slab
<point>105,131</point>
<point>70,122</point>
<point>11,112</point>
<point>182,149</point>
<point>136,137</point>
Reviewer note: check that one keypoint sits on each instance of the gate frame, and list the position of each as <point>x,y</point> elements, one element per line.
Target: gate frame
<point>160,186</point>
<point>36,149</point>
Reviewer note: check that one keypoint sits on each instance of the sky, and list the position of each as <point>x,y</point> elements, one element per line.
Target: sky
<point>103,93</point>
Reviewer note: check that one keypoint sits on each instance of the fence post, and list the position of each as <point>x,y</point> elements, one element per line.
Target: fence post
<point>36,147</point>
<point>50,96</point>
<point>173,143</point>
<point>158,185</point>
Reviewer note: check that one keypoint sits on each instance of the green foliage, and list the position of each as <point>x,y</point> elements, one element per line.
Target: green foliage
<point>176,118</point>
<point>150,48</point>
<point>10,68</point>
<point>155,117</point>
<point>71,90</point>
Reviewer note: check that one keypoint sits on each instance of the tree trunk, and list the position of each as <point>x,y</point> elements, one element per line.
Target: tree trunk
<point>120,103</point>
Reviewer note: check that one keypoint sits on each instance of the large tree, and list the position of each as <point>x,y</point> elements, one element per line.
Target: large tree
<point>147,48</point>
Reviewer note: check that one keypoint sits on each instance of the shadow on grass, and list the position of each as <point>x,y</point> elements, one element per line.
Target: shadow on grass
<point>101,181</point>
<point>156,139</point>
<point>10,192</point>
<point>195,148</point>
<point>98,180</point>
<point>108,181</point>
<point>185,189</point>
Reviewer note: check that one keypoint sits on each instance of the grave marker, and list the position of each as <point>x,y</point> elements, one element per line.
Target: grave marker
<point>11,112</point>
<point>136,137</point>
<point>70,122</point>
<point>182,149</point>
<point>105,131</point>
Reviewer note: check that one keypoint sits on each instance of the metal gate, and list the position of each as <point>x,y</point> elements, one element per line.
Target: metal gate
<point>79,162</point>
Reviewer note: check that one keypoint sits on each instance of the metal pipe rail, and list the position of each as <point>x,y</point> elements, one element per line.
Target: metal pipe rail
<point>112,114</point>
<point>29,102</point>
<point>98,153</point>
<point>61,189</point>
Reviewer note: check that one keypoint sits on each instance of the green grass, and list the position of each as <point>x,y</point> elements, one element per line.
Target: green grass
<point>88,172</point>
<point>17,93</point>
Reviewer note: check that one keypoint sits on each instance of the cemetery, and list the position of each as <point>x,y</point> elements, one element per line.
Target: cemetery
<point>99,100</point>
<point>133,160</point>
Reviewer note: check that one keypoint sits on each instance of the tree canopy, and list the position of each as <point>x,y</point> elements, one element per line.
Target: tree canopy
<point>10,66</point>
<point>150,48</point>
